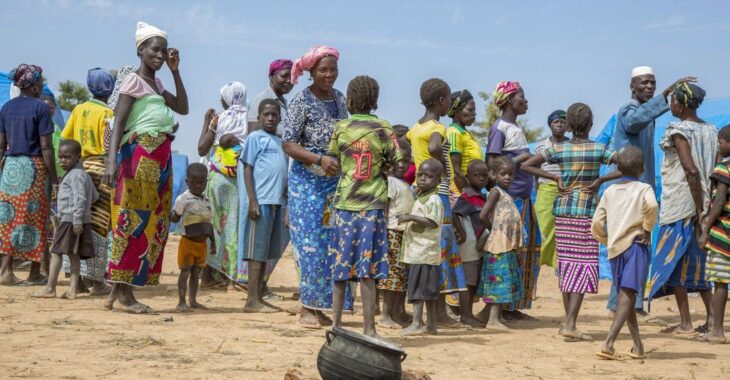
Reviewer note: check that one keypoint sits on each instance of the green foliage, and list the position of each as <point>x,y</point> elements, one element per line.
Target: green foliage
<point>71,94</point>
<point>480,129</point>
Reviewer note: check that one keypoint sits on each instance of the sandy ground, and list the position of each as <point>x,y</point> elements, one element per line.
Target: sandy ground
<point>80,340</point>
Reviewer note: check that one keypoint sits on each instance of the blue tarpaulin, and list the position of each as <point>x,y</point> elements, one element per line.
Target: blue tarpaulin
<point>179,166</point>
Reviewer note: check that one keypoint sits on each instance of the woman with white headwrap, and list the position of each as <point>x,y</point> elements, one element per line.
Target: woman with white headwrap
<point>222,138</point>
<point>139,168</point>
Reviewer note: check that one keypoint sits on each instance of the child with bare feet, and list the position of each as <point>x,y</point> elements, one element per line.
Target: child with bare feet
<point>501,281</point>
<point>715,238</point>
<point>264,174</point>
<point>422,247</point>
<point>366,149</point>
<point>195,213</point>
<point>623,221</point>
<point>400,201</point>
<point>73,237</point>
<point>469,229</point>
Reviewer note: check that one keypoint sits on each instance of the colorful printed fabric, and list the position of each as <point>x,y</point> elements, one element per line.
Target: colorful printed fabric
<point>546,194</point>
<point>718,268</point>
<point>501,281</point>
<point>310,59</point>
<point>141,205</point>
<point>550,168</point>
<point>719,239</point>
<point>24,207</point>
<point>452,278</point>
<point>577,255</point>
<point>225,160</point>
<point>26,75</point>
<point>507,233</point>
<point>470,206</point>
<point>678,261</point>
<point>223,193</point>
<point>528,258</point>
<point>310,122</point>
<point>689,94</point>
<point>308,195</point>
<point>95,269</point>
<point>503,91</point>
<point>364,145</point>
<point>359,245</point>
<point>397,280</point>
<point>87,124</point>
<point>580,165</point>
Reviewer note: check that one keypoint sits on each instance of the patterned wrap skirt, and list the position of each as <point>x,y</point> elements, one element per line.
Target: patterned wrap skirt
<point>95,268</point>
<point>397,280</point>
<point>359,245</point>
<point>501,280</point>
<point>452,278</point>
<point>141,205</point>
<point>718,267</point>
<point>309,197</point>
<point>528,258</point>
<point>577,255</point>
<point>678,260</point>
<point>222,191</point>
<point>546,194</point>
<point>24,207</point>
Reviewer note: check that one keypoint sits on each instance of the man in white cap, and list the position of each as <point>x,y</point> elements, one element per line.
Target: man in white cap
<point>635,126</point>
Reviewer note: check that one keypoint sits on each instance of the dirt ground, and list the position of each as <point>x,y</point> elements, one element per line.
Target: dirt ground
<point>81,340</point>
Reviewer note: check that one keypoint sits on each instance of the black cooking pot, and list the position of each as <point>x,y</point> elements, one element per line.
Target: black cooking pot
<point>349,355</point>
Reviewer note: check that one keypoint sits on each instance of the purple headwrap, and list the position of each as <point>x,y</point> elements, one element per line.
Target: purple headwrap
<point>26,75</point>
<point>100,82</point>
<point>279,64</point>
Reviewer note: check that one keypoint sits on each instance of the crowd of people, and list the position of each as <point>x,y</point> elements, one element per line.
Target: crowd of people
<point>418,215</point>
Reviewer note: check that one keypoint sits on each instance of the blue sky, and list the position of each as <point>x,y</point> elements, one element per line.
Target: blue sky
<point>561,51</point>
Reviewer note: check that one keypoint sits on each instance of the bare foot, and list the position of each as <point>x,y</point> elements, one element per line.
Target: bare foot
<point>444,320</point>
<point>195,305</point>
<point>323,319</point>
<point>135,308</point>
<point>100,290</point>
<point>10,280</point>
<point>472,322</point>
<point>183,307</point>
<point>69,295</point>
<point>496,325</point>
<point>258,307</point>
<point>403,320</point>
<point>388,323</point>
<point>44,293</point>
<point>483,316</point>
<point>432,331</point>
<point>677,329</point>
<point>308,320</point>
<point>36,280</point>
<point>413,330</point>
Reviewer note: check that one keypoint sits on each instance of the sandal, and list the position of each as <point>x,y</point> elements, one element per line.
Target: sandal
<point>315,325</point>
<point>610,356</point>
<point>580,337</point>
<point>634,356</point>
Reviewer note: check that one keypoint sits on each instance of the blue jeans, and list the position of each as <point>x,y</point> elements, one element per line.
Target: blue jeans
<point>613,299</point>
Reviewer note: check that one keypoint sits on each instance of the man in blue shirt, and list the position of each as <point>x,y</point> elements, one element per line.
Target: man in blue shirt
<point>635,123</point>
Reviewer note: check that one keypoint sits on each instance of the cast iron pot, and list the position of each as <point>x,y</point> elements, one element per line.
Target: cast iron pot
<point>349,355</point>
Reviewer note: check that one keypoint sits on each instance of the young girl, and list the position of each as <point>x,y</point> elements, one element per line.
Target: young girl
<point>580,160</point>
<point>427,138</point>
<point>501,282</point>
<point>365,147</point>
<point>400,201</point>
<point>715,237</point>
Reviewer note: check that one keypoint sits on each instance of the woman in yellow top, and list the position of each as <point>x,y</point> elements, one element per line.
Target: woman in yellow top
<point>87,125</point>
<point>464,147</point>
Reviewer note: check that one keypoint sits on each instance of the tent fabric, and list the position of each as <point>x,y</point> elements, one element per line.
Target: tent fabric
<point>179,167</point>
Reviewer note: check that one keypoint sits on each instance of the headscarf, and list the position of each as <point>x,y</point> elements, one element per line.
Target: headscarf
<point>557,114</point>
<point>100,82</point>
<point>310,59</point>
<point>458,101</point>
<point>279,64</point>
<point>233,120</point>
<point>145,32</point>
<point>25,75</point>
<point>689,94</point>
<point>503,91</point>
<point>121,74</point>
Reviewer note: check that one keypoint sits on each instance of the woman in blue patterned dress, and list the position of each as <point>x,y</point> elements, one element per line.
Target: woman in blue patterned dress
<point>313,179</point>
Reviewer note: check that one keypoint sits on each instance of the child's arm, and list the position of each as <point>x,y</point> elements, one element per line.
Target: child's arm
<point>532,166</point>
<point>253,203</point>
<point>598,224</point>
<point>94,192</point>
<point>715,211</point>
<point>595,185</point>
<point>420,220</point>
<point>651,211</point>
<point>78,189</point>
<point>435,146</point>
<point>459,229</point>
<point>488,208</point>
<point>177,210</point>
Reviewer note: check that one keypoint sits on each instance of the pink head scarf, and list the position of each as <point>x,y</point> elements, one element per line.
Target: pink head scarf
<point>279,64</point>
<point>310,58</point>
<point>503,91</point>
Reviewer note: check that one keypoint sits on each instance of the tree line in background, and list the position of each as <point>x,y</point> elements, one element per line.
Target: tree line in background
<point>71,94</point>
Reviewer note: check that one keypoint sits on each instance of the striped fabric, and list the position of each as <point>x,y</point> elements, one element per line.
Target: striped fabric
<point>718,268</point>
<point>719,240</point>
<point>580,165</point>
<point>577,255</point>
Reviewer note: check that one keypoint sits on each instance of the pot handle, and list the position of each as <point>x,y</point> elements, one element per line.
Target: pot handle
<point>403,357</point>
<point>329,335</point>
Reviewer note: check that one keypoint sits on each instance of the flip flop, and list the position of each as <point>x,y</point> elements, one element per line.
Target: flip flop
<point>17,283</point>
<point>607,356</point>
<point>704,339</point>
<point>42,282</point>
<point>136,308</point>
<point>311,326</point>
<point>577,338</point>
<point>630,353</point>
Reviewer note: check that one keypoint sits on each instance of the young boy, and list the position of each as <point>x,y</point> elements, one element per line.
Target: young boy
<point>623,221</point>
<point>400,201</point>
<point>264,173</point>
<point>196,213</point>
<point>73,238</point>
<point>715,237</point>
<point>468,229</point>
<point>422,247</point>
